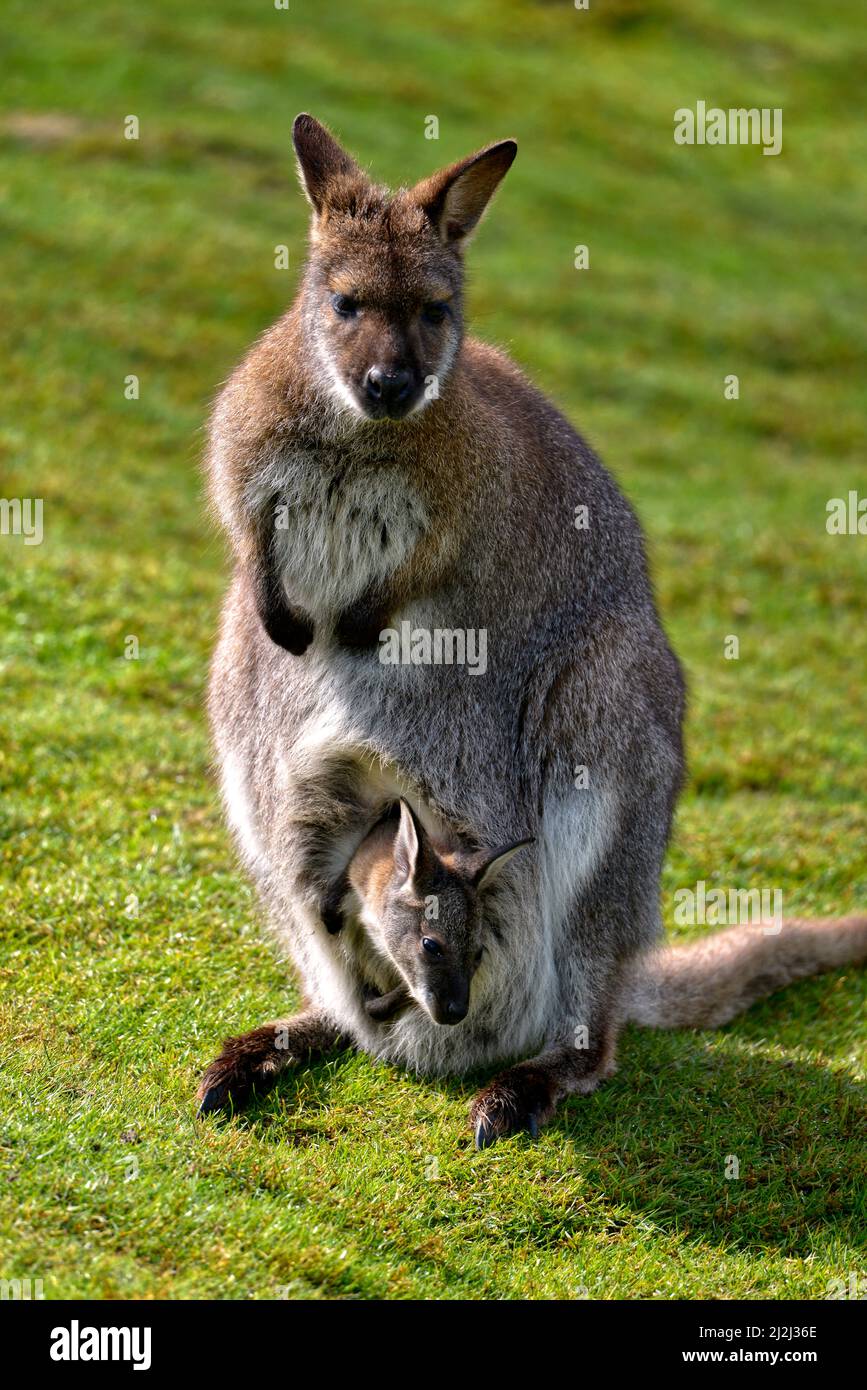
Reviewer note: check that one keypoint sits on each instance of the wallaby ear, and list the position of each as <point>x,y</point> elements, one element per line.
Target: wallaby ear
<point>407,844</point>
<point>321,160</point>
<point>455,198</point>
<point>490,863</point>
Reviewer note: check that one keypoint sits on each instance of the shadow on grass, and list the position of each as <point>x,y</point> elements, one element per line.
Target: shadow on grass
<point>714,1141</point>
<point>698,1134</point>
<point>703,1136</point>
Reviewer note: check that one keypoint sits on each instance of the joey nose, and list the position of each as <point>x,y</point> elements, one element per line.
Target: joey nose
<point>387,387</point>
<point>455,1010</point>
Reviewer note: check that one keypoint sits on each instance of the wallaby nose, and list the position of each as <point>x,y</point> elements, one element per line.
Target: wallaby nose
<point>456,1009</point>
<point>387,387</point>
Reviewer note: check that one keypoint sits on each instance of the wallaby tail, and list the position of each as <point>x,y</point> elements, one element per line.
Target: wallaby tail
<point>706,983</point>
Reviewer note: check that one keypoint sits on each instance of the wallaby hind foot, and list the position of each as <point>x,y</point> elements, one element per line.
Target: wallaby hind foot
<point>251,1062</point>
<point>526,1096</point>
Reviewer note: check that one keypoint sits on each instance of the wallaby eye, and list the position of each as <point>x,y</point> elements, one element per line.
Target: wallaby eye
<point>435,312</point>
<point>432,947</point>
<point>344,305</point>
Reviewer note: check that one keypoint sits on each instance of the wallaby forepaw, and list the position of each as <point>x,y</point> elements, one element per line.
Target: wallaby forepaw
<point>288,630</point>
<point>516,1100</point>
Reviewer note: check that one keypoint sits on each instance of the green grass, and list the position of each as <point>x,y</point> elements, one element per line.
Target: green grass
<point>130,939</point>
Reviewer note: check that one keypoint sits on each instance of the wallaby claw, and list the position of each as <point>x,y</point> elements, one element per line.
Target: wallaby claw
<point>214,1099</point>
<point>485,1135</point>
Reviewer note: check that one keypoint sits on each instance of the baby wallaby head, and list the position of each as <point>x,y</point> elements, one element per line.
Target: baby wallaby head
<point>423,906</point>
<point>383,288</point>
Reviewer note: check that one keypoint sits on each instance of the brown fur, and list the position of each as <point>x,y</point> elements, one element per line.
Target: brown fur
<point>354,220</point>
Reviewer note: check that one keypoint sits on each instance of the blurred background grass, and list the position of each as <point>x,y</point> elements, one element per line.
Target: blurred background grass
<point>129,938</point>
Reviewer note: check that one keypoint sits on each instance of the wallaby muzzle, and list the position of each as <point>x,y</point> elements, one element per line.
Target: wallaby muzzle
<point>450,1004</point>
<point>389,391</point>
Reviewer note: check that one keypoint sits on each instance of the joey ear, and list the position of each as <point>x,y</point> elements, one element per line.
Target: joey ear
<point>490,862</point>
<point>321,160</point>
<point>407,844</point>
<point>455,198</point>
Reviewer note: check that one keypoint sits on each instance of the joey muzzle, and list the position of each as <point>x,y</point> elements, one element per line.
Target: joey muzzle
<point>452,1004</point>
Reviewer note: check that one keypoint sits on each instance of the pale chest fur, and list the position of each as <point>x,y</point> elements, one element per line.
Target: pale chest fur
<point>341,523</point>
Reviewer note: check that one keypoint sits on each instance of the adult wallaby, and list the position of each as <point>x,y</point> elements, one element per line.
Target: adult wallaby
<point>374,467</point>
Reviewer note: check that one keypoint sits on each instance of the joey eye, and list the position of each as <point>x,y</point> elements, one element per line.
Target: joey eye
<point>435,312</point>
<point>344,305</point>
<point>432,947</point>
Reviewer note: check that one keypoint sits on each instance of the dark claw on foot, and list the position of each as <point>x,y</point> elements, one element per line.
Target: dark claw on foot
<point>213,1099</point>
<point>485,1135</point>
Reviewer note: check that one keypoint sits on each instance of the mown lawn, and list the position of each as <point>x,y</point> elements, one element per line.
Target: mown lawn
<point>130,941</point>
